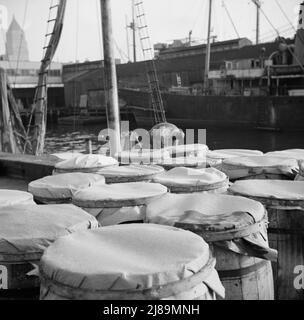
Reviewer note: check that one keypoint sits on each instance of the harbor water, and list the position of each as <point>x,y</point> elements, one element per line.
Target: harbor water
<point>68,138</point>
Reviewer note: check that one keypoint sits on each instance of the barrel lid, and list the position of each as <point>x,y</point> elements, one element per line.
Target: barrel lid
<point>297,154</point>
<point>208,212</point>
<point>187,149</point>
<point>14,197</point>
<point>190,177</point>
<point>118,195</point>
<point>85,163</point>
<point>189,162</point>
<point>66,155</point>
<point>261,162</point>
<point>142,156</point>
<point>63,186</point>
<point>271,189</point>
<point>130,171</point>
<point>27,230</point>
<point>125,257</point>
<point>232,153</point>
<point>241,167</point>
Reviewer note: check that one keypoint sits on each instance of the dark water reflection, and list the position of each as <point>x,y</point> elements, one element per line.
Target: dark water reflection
<point>68,138</point>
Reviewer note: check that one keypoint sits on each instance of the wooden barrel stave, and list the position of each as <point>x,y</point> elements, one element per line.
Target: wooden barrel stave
<point>244,277</point>
<point>286,234</point>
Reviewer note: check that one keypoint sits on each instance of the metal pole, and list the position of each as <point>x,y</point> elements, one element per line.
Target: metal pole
<point>111,90</point>
<point>208,49</point>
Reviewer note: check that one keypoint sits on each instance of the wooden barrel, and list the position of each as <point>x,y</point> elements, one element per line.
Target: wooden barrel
<point>142,156</point>
<point>284,201</point>
<point>235,228</point>
<point>25,233</point>
<point>14,197</point>
<point>187,180</point>
<point>260,167</point>
<point>118,203</point>
<point>129,262</point>
<point>59,189</point>
<point>216,157</point>
<point>130,173</point>
<point>88,163</point>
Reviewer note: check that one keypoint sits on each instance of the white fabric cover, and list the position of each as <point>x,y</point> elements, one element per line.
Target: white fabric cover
<point>142,156</point>
<point>215,158</point>
<point>85,163</point>
<point>197,209</point>
<point>30,229</point>
<point>98,201</point>
<point>66,155</point>
<point>297,154</point>
<point>188,150</point>
<point>63,186</point>
<point>129,257</point>
<point>190,177</point>
<point>14,197</point>
<point>190,161</point>
<point>130,171</point>
<point>277,189</point>
<point>137,191</point>
<point>232,153</point>
<point>246,166</point>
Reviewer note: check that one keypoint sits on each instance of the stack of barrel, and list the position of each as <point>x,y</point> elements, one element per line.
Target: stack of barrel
<point>151,210</point>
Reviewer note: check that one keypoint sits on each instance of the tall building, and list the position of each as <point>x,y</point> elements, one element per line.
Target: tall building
<point>16,44</point>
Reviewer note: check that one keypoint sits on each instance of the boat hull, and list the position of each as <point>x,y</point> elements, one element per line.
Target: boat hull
<point>266,113</point>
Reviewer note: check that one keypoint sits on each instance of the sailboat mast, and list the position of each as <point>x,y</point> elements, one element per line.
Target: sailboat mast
<point>111,90</point>
<point>208,50</point>
<point>134,31</point>
<point>258,6</point>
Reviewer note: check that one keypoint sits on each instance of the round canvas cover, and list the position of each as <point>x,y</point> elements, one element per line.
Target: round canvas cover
<point>66,155</point>
<point>118,195</point>
<point>13,197</point>
<point>130,172</point>
<point>85,163</point>
<point>297,154</point>
<point>26,231</point>
<point>191,177</point>
<point>232,153</point>
<point>63,186</point>
<point>189,162</point>
<point>272,189</point>
<point>142,156</point>
<point>188,150</point>
<point>128,257</point>
<point>246,166</point>
<point>214,212</point>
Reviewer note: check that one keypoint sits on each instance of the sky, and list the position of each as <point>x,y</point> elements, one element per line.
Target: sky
<point>167,20</point>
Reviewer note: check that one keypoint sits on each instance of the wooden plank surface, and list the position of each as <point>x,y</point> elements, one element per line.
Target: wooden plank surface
<point>26,167</point>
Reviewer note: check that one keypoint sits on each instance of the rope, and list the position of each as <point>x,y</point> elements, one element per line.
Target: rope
<point>76,60</point>
<point>269,21</point>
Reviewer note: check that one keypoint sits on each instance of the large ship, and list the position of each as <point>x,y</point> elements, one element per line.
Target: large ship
<point>258,86</point>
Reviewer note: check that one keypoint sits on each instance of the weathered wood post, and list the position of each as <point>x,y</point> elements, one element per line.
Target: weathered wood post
<point>112,102</point>
<point>7,139</point>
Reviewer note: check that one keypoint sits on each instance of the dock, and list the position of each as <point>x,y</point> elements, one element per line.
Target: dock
<point>16,170</point>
